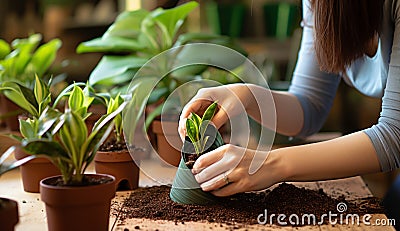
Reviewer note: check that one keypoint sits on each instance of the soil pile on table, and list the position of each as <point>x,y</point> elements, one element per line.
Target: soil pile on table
<point>241,209</point>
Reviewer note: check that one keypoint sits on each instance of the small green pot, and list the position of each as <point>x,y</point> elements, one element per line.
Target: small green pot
<point>185,189</point>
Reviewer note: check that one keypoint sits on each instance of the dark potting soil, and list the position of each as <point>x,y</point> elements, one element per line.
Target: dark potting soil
<point>113,146</point>
<point>241,209</point>
<point>87,181</point>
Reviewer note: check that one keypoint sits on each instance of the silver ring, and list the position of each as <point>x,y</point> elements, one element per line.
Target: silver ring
<point>226,179</point>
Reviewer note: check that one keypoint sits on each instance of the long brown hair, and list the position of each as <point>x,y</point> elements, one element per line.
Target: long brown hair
<point>343,30</point>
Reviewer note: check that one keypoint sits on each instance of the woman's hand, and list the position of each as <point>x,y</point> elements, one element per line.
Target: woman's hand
<point>232,100</point>
<point>225,170</point>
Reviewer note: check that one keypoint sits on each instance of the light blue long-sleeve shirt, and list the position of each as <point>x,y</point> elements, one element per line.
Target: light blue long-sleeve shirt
<point>377,76</point>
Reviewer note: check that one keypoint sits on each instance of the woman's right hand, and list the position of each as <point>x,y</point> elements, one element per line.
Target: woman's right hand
<point>232,100</point>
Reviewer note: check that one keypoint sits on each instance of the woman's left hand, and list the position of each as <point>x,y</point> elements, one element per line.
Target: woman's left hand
<point>225,170</point>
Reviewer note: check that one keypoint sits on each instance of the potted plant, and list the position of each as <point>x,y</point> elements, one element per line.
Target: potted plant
<point>20,61</point>
<point>113,157</point>
<point>33,101</point>
<point>131,41</point>
<point>74,200</point>
<point>202,137</point>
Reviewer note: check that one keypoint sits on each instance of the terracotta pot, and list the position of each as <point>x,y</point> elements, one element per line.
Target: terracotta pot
<point>168,141</point>
<point>121,166</point>
<point>8,214</point>
<point>78,207</point>
<point>9,112</point>
<point>34,171</point>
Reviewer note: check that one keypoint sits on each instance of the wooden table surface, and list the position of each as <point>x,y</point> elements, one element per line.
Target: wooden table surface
<point>33,216</point>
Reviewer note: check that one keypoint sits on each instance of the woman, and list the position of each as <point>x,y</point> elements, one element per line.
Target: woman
<point>357,41</point>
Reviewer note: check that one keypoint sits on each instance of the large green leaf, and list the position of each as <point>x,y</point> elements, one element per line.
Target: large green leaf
<point>49,148</point>
<point>111,44</point>
<point>5,49</point>
<point>5,168</point>
<point>172,19</point>
<point>22,96</point>
<point>111,69</point>
<point>41,91</point>
<point>28,128</point>
<point>76,99</point>
<point>210,111</point>
<point>45,56</point>
<point>23,50</point>
<point>127,24</point>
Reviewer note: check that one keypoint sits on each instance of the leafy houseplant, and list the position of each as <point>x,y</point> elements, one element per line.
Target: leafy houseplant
<point>34,102</point>
<point>20,62</point>
<point>202,137</point>
<point>82,198</point>
<point>137,36</point>
<point>198,135</point>
<point>132,41</point>
<point>113,157</point>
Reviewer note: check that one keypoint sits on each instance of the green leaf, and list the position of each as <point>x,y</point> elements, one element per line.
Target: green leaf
<point>5,168</point>
<point>22,96</point>
<point>196,119</point>
<point>46,120</point>
<point>41,90</point>
<point>210,111</point>
<point>172,19</point>
<point>51,149</point>
<point>100,132</point>
<point>45,56</point>
<point>76,99</point>
<point>111,69</point>
<point>110,45</point>
<point>5,49</point>
<point>28,128</point>
<point>191,130</point>
<point>23,53</point>
<point>127,24</point>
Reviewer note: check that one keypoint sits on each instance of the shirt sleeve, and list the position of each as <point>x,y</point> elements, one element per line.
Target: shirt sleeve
<point>314,89</point>
<point>385,135</point>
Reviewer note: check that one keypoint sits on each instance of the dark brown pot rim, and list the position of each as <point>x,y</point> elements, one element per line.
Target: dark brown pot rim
<point>9,209</point>
<point>44,182</point>
<point>8,202</point>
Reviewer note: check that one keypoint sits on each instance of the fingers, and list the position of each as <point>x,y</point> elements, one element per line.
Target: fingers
<point>228,190</point>
<point>220,118</point>
<point>208,159</point>
<point>214,183</point>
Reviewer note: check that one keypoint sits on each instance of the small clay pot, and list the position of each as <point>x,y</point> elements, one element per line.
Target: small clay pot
<point>34,171</point>
<point>8,214</point>
<point>121,166</point>
<point>78,207</point>
<point>167,141</point>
